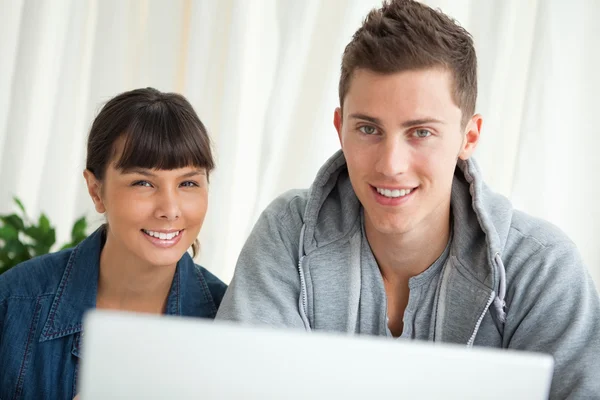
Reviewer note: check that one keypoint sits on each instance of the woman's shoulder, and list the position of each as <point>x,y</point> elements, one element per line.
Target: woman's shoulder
<point>35,277</point>
<point>215,285</point>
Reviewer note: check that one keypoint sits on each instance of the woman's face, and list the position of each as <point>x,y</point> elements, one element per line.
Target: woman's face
<point>153,215</point>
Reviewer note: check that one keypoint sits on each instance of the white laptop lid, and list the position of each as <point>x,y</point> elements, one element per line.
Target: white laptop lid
<point>136,356</point>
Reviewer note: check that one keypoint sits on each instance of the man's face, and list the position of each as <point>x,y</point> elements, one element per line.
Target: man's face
<point>401,135</point>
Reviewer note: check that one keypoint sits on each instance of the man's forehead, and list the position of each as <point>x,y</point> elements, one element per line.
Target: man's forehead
<point>366,80</point>
<point>418,93</point>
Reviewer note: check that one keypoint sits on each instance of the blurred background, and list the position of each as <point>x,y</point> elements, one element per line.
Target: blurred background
<point>263,74</point>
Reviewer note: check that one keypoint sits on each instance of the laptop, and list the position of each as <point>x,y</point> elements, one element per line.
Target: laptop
<point>139,356</point>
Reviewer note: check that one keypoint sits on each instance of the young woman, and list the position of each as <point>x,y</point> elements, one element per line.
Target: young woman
<point>148,163</point>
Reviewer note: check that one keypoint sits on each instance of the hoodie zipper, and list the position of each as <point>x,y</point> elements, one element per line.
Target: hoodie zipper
<point>499,266</point>
<point>485,310</point>
<point>302,301</point>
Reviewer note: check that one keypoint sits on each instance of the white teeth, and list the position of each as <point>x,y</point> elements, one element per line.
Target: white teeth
<point>162,235</point>
<point>393,193</point>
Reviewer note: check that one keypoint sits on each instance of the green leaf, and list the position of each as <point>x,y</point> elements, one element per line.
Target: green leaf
<point>41,249</point>
<point>16,200</point>
<point>78,231</point>
<point>13,220</point>
<point>8,232</point>
<point>41,237</point>
<point>4,258</point>
<point>35,233</point>
<point>50,237</point>
<point>21,239</point>
<point>44,223</point>
<point>14,248</point>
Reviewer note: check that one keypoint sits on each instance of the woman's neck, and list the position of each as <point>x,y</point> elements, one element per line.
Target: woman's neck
<point>128,283</point>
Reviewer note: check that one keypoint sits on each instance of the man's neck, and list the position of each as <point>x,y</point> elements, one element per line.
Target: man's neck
<point>127,283</point>
<point>405,255</point>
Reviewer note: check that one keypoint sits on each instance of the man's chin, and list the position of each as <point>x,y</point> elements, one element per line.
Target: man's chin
<point>387,224</point>
<point>393,230</point>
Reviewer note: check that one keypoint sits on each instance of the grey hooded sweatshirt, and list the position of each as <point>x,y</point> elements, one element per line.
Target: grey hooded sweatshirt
<point>508,281</point>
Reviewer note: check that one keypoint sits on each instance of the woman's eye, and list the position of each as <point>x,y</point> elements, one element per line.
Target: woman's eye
<point>422,133</point>
<point>368,130</point>
<point>142,183</point>
<point>189,184</point>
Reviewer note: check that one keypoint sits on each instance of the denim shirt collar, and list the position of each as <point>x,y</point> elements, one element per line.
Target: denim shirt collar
<point>78,290</point>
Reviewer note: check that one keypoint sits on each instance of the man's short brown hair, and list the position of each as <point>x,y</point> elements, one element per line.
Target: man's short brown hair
<point>406,35</point>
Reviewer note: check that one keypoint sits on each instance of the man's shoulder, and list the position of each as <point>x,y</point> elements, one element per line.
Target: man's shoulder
<point>288,208</point>
<point>35,277</point>
<point>533,234</point>
<point>538,250</point>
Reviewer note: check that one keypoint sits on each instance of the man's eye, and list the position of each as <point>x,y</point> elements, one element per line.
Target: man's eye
<point>422,133</point>
<point>142,183</point>
<point>368,130</point>
<point>189,184</point>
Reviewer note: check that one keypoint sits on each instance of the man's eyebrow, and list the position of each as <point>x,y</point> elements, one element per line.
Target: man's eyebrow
<point>405,124</point>
<point>421,121</point>
<point>365,117</point>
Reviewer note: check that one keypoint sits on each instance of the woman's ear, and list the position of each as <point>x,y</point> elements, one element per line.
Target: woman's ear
<point>471,137</point>
<point>95,190</point>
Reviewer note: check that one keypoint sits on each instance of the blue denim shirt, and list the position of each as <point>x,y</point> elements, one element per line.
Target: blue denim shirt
<point>42,302</point>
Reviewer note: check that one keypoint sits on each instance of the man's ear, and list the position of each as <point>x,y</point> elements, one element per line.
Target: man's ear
<point>471,137</point>
<point>337,122</point>
<point>95,190</point>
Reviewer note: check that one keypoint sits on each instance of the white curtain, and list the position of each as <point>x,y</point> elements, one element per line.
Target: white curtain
<point>262,75</point>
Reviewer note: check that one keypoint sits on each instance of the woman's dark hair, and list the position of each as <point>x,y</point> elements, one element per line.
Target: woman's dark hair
<point>160,131</point>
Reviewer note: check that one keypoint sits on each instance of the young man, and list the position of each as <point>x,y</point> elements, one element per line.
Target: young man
<point>399,235</point>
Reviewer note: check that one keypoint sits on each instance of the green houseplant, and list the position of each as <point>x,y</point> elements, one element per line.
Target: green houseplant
<point>22,238</point>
